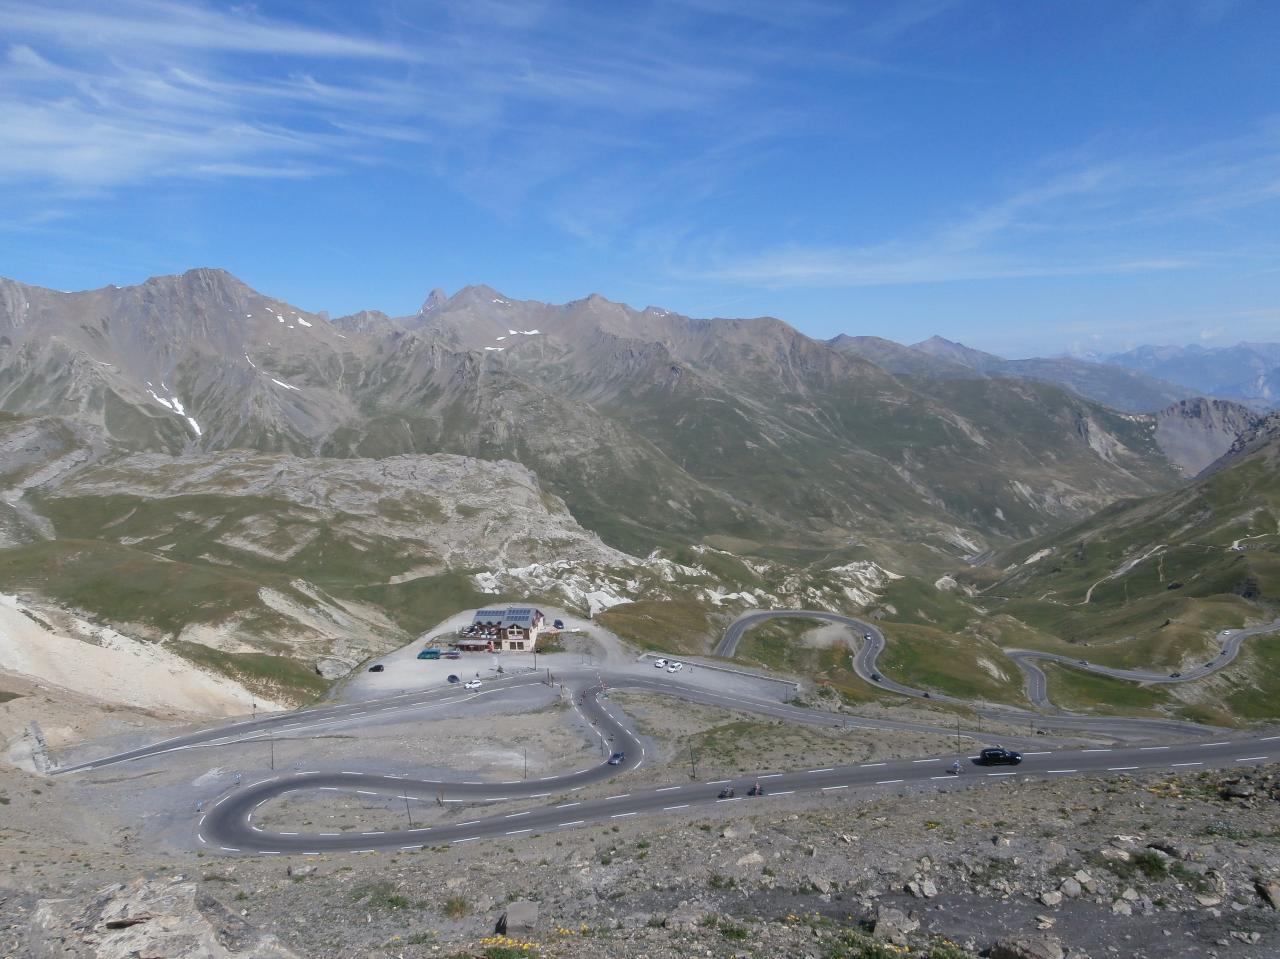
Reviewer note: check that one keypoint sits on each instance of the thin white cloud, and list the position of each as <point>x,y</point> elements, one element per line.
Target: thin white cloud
<point>157,23</point>
<point>1120,207</point>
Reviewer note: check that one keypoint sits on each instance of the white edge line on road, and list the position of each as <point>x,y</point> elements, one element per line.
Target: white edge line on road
<point>681,806</point>
<point>516,832</point>
<point>512,815</point>
<point>576,822</point>
<point>1148,749</point>
<point>1187,764</point>
<point>1207,745</point>
<point>1002,774</point>
<point>621,815</point>
<point>785,792</point>
<point>201,838</point>
<point>468,839</point>
<point>1120,769</point>
<point>886,782</point>
<point>825,788</point>
<point>824,769</point>
<point>1062,770</point>
<point>667,789</point>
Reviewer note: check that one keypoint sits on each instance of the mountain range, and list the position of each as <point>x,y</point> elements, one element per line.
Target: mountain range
<point>308,481</point>
<point>1247,372</point>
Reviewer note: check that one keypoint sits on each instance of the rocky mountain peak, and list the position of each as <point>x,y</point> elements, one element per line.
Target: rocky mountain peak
<point>435,299</point>
<point>956,352</point>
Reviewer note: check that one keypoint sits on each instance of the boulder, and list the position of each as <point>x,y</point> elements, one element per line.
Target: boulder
<point>1028,947</point>
<point>821,884</point>
<point>1270,893</point>
<point>922,888</point>
<point>520,917</point>
<point>1051,898</point>
<point>169,918</point>
<point>1070,888</point>
<point>893,925</point>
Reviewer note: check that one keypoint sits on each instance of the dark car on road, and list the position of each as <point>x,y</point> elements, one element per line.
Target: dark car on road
<point>998,756</point>
<point>617,758</point>
<point>377,668</point>
<point>726,793</point>
<point>558,624</point>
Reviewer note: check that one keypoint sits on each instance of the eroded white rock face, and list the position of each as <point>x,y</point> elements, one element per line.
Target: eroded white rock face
<point>169,918</point>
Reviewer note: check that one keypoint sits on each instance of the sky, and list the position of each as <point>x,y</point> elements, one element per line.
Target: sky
<point>1026,178</point>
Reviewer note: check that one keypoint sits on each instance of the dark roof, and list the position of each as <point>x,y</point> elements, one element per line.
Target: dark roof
<point>521,616</point>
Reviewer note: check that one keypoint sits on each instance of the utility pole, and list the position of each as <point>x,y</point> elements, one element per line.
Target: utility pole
<point>957,732</point>
<point>526,762</point>
<point>272,740</point>
<point>407,812</point>
<point>693,765</point>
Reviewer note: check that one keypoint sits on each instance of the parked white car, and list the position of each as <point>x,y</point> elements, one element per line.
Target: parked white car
<point>660,663</point>
<point>472,684</point>
<point>675,667</point>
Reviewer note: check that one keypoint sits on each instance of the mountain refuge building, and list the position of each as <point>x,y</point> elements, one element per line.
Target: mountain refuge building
<point>514,629</point>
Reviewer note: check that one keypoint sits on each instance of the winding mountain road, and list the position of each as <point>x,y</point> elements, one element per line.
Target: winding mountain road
<point>867,652</point>
<point>228,826</point>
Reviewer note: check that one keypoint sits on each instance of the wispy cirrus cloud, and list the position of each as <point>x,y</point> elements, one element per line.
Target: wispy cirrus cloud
<point>113,94</point>
<point>1098,217</point>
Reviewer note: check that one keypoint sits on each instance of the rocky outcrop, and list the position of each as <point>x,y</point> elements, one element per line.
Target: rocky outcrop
<point>147,918</point>
<point>1194,433</point>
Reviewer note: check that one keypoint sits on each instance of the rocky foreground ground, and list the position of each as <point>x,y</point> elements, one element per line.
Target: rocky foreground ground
<point>1168,866</point>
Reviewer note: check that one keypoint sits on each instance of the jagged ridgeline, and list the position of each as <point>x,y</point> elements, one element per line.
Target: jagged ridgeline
<point>366,466</point>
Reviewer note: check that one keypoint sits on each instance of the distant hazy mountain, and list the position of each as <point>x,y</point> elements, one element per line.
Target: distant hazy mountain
<point>1247,372</point>
<point>1121,389</point>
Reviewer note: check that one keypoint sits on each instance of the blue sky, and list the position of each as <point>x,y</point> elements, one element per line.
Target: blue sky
<point>1023,177</point>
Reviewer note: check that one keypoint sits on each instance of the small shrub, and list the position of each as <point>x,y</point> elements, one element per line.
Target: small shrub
<point>455,907</point>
